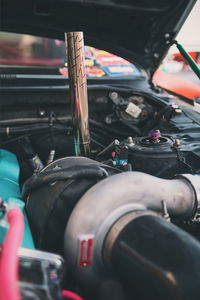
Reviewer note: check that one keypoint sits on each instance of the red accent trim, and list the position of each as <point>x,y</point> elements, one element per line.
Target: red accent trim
<point>177,84</point>
<point>86,252</point>
<point>9,262</point>
<point>70,295</point>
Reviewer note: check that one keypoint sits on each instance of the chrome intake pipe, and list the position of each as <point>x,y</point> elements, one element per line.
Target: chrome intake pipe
<point>78,92</point>
<point>110,200</point>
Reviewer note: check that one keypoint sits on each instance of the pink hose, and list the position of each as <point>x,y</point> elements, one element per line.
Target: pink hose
<point>9,288</point>
<point>70,295</point>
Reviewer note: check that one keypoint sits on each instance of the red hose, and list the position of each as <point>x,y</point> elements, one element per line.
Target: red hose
<point>70,295</point>
<point>9,261</point>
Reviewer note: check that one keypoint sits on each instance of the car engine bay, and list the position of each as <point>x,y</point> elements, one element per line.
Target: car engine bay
<point>99,174</point>
<point>125,219</point>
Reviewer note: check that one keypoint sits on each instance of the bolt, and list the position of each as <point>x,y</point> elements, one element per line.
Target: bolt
<point>155,136</point>
<point>176,108</point>
<point>178,111</point>
<point>177,144</point>
<point>116,142</point>
<point>130,140</point>
<point>165,211</point>
<point>42,112</point>
<point>108,120</point>
<point>167,36</point>
<point>113,95</point>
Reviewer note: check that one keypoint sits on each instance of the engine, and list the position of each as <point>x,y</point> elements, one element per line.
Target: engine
<point>122,219</point>
<point>110,202</point>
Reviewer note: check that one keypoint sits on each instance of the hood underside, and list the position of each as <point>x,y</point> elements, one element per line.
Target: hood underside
<point>140,31</point>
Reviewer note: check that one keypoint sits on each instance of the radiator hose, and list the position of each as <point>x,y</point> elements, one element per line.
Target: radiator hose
<point>9,261</point>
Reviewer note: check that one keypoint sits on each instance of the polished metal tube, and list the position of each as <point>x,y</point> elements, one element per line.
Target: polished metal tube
<point>78,92</point>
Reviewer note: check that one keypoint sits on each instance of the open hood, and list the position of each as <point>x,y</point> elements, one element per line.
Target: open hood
<point>137,30</point>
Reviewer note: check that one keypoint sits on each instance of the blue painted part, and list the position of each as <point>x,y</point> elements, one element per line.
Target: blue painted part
<point>120,162</point>
<point>9,167</point>
<point>10,194</point>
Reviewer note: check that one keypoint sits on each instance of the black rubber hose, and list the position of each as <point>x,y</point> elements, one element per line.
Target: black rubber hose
<point>157,260</point>
<point>37,128</point>
<point>34,128</point>
<point>47,177</point>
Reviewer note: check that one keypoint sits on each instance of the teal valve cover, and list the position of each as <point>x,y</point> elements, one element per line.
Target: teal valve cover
<point>10,194</point>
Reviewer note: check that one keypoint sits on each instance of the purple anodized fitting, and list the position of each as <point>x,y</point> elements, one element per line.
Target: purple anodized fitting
<point>155,135</point>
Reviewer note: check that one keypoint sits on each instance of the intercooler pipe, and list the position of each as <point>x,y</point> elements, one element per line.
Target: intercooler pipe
<point>87,241</point>
<point>78,92</point>
<point>152,258</point>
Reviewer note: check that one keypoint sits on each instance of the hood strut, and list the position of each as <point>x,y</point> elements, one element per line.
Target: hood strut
<point>188,59</point>
<point>78,92</point>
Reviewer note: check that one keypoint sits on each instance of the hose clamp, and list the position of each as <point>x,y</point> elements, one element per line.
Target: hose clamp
<point>194,181</point>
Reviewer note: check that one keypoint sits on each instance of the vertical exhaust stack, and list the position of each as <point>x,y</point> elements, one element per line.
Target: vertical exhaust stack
<point>78,92</point>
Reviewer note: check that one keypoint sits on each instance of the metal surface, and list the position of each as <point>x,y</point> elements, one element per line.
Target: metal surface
<point>62,195</point>
<point>78,92</point>
<point>194,181</point>
<point>10,194</point>
<point>113,197</point>
<point>41,255</point>
<point>117,228</point>
<point>36,163</point>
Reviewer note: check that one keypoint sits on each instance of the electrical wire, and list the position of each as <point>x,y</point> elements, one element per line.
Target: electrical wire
<point>46,177</point>
<point>71,295</point>
<point>51,127</point>
<point>13,139</point>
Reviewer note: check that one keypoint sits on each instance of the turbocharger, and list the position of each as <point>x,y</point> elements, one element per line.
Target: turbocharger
<point>119,229</point>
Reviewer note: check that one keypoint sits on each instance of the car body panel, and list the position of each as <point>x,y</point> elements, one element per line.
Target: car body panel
<point>139,31</point>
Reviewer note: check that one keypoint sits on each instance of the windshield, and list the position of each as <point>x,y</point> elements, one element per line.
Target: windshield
<point>20,50</point>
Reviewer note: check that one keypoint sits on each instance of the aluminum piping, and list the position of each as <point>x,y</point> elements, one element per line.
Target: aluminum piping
<point>78,92</point>
<point>109,200</point>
